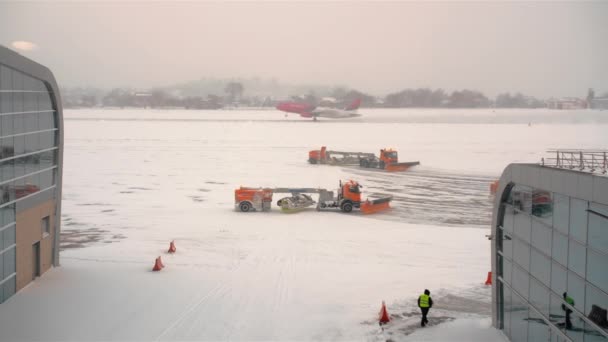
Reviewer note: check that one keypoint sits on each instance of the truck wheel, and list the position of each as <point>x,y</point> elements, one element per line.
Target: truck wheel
<point>363,163</point>
<point>312,161</point>
<point>347,207</point>
<point>245,206</point>
<point>381,165</point>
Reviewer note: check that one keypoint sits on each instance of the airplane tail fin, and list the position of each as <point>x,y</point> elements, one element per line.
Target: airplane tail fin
<point>354,105</point>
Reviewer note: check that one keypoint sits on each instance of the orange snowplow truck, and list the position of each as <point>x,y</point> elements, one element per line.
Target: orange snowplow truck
<point>388,159</point>
<point>348,197</point>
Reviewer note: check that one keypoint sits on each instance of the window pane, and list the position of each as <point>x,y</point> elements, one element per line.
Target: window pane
<point>561,214</point>
<point>576,290</point>
<point>1,265</point>
<point>46,179</point>
<point>29,103</point>
<point>47,139</point>
<point>9,288</point>
<point>18,124</point>
<point>17,80</point>
<point>539,296</point>
<point>19,167</point>
<point>6,103</point>
<point>46,159</point>
<point>560,248</point>
<point>521,198</point>
<point>7,147</point>
<point>557,313</point>
<point>44,103</point>
<point>578,220</point>
<point>7,124</point>
<point>31,143</point>
<point>519,320</point>
<point>598,227</point>
<point>31,120</point>
<point>6,78</point>
<point>8,170</point>
<point>17,102</point>
<point>8,237</point>
<point>595,297</point>
<point>521,254</point>
<point>542,206</point>
<point>8,215</point>
<point>538,329</point>
<point>9,262</point>
<point>19,145</point>
<point>507,245</point>
<point>508,307</point>
<point>541,237</point>
<point>523,226</point>
<point>597,270</point>
<point>577,258</point>
<point>521,282</point>
<point>578,327</point>
<point>508,219</point>
<point>591,335</point>
<point>507,269</point>
<point>541,267</point>
<point>559,279</point>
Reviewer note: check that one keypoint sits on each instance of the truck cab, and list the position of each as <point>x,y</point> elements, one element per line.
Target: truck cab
<point>389,156</point>
<point>349,196</point>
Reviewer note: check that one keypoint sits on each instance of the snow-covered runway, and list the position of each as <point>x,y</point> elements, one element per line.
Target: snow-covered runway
<point>135,180</point>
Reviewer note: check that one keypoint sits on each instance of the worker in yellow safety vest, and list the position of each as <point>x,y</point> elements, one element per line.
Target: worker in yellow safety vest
<point>425,303</point>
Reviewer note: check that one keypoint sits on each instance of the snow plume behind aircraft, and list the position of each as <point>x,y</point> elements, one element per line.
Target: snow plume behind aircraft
<point>307,110</point>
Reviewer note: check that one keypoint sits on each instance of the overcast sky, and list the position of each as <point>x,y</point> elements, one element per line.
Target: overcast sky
<point>542,49</point>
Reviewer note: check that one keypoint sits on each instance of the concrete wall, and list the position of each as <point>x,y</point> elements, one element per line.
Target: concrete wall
<point>29,231</point>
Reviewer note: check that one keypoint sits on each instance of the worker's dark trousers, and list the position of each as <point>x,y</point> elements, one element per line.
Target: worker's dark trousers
<point>568,321</point>
<point>425,312</point>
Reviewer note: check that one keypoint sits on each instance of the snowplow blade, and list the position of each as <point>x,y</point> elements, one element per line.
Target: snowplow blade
<point>400,166</point>
<point>371,207</point>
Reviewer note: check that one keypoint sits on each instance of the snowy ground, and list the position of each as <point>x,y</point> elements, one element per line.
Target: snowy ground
<point>135,180</point>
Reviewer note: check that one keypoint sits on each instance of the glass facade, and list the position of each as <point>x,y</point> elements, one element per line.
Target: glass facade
<point>28,157</point>
<point>551,247</point>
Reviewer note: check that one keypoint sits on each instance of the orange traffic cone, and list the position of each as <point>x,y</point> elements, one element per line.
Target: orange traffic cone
<point>171,247</point>
<point>383,315</point>
<point>160,262</point>
<point>489,280</point>
<point>157,265</point>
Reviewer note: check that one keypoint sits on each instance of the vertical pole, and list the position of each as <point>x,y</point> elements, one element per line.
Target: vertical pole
<point>581,163</point>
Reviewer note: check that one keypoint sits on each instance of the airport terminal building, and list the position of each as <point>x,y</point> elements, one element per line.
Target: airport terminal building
<point>31,153</point>
<point>550,249</point>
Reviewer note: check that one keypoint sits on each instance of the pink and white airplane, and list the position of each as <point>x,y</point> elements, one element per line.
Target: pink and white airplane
<point>306,110</point>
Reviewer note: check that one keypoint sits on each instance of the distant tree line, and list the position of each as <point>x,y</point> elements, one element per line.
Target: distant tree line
<point>234,95</point>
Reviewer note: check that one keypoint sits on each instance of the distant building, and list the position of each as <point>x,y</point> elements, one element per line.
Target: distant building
<point>567,103</point>
<point>550,238</point>
<point>31,154</point>
<point>599,103</point>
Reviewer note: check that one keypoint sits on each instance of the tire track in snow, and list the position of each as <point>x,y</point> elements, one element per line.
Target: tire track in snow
<point>190,310</point>
<point>426,195</point>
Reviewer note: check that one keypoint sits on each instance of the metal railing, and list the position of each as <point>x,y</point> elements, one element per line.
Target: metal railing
<point>582,160</point>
